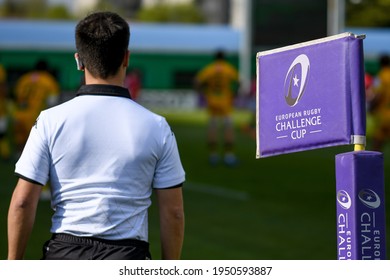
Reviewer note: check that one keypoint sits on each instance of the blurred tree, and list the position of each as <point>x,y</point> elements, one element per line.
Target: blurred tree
<point>183,13</point>
<point>359,13</point>
<point>101,5</point>
<point>58,12</point>
<point>35,9</point>
<point>368,13</point>
<point>13,8</point>
<point>104,5</point>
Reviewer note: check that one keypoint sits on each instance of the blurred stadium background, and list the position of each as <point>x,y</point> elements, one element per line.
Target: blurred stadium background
<point>273,208</point>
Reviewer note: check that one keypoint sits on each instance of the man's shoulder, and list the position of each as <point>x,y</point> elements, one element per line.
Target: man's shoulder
<point>67,105</point>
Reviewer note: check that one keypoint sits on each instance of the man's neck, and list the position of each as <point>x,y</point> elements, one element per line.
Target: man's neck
<point>116,80</point>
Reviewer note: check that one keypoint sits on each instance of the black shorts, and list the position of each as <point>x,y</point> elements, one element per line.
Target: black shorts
<point>69,247</point>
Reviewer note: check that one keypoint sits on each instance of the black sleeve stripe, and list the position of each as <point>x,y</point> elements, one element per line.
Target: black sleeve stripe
<point>27,179</point>
<point>173,187</point>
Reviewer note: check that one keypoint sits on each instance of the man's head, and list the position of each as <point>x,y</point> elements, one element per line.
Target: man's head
<point>219,55</point>
<point>384,60</point>
<point>102,41</point>
<point>41,65</point>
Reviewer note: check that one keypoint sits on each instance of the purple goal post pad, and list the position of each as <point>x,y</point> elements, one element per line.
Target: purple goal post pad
<point>360,206</point>
<point>310,95</point>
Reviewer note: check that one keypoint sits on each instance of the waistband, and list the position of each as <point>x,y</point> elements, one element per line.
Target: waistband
<point>96,241</point>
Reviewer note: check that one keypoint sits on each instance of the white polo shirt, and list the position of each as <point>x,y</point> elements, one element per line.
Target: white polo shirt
<point>103,154</point>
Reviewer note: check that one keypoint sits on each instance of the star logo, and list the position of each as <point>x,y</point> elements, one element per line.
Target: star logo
<point>296,80</point>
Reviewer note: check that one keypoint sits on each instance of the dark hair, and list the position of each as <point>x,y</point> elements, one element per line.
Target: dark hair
<point>41,65</point>
<point>219,55</point>
<point>102,40</point>
<point>384,60</point>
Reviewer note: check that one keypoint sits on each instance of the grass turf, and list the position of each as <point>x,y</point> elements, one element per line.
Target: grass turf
<point>279,208</point>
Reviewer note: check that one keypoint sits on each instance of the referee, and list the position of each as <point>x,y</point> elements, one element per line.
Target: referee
<point>104,155</point>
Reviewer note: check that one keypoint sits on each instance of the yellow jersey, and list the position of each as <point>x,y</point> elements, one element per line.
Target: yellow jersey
<point>32,92</point>
<point>217,82</point>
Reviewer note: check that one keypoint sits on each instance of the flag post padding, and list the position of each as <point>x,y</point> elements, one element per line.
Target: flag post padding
<point>360,206</point>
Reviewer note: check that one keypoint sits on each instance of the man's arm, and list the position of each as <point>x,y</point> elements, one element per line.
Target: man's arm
<point>21,217</point>
<point>170,204</point>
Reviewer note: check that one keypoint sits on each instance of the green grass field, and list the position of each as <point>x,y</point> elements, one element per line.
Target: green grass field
<point>277,208</point>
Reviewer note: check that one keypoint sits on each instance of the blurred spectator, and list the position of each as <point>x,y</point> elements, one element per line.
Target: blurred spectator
<point>4,118</point>
<point>370,96</point>
<point>250,127</point>
<point>133,83</point>
<point>34,91</point>
<point>380,105</point>
<point>369,87</point>
<point>216,82</point>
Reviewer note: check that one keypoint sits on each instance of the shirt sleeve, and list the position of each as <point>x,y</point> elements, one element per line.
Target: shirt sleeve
<point>169,170</point>
<point>34,163</point>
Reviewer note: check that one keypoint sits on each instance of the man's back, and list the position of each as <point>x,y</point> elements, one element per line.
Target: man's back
<point>103,153</point>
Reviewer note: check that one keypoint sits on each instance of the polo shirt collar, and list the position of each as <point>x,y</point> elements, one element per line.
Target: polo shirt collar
<point>107,90</point>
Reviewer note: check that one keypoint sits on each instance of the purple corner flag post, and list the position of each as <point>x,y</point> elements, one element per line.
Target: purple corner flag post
<point>311,95</point>
<point>360,206</point>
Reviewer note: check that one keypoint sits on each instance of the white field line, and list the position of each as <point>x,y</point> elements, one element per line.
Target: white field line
<point>216,191</point>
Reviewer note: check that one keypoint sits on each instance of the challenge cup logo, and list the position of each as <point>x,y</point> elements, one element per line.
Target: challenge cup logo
<point>344,199</point>
<point>296,80</point>
<point>369,198</point>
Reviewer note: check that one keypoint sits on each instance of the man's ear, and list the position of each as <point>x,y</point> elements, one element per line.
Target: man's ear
<point>79,63</point>
<point>126,59</point>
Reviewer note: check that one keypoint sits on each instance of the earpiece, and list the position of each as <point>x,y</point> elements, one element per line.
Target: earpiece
<point>79,63</point>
